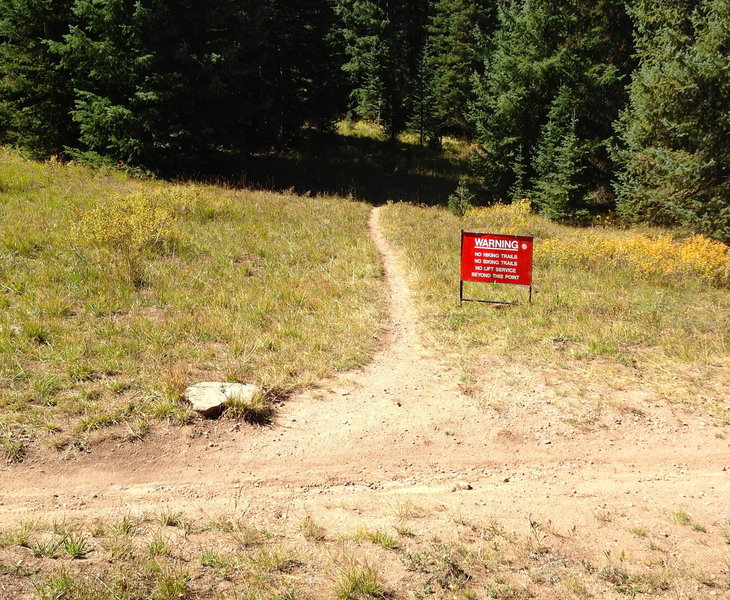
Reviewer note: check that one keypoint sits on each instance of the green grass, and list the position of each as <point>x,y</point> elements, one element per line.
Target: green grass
<point>47,548</point>
<point>257,410</point>
<point>313,531</point>
<point>12,447</point>
<point>76,546</point>
<point>680,517</point>
<point>359,582</point>
<point>127,525</point>
<point>148,581</point>
<point>20,536</point>
<point>170,518</point>
<point>159,546</point>
<point>377,537</point>
<point>273,289</point>
<point>580,311</point>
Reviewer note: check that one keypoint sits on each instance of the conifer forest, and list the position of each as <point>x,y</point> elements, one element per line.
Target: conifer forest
<point>585,107</point>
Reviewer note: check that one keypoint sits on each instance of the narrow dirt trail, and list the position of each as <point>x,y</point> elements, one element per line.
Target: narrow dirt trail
<point>397,428</point>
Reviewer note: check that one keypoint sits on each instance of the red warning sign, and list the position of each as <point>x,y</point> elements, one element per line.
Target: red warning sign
<point>496,258</point>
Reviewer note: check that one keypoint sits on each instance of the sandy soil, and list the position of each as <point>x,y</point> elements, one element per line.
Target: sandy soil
<point>400,431</point>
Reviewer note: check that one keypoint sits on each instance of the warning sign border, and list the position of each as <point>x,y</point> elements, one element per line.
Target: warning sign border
<point>462,299</point>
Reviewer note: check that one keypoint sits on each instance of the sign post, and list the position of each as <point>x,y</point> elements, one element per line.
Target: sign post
<point>495,258</point>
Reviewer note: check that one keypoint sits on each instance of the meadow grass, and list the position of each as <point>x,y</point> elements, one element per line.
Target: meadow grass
<point>639,299</point>
<point>451,148</point>
<point>117,293</point>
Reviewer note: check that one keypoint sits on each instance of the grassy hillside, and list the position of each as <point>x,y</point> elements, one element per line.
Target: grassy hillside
<point>609,304</point>
<point>116,293</point>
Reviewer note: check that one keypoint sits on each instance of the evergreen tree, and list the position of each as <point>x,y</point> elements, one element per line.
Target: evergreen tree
<point>554,67</point>
<point>298,65</point>
<point>168,85</point>
<point>559,161</point>
<point>323,85</point>
<point>454,31</point>
<point>362,30</point>
<point>675,133</point>
<point>35,94</point>
<point>423,118</point>
<point>509,99</point>
<point>155,83</point>
<point>383,41</point>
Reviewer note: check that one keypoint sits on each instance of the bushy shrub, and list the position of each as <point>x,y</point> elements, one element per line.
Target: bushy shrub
<point>516,218</point>
<point>664,255</point>
<point>128,229</point>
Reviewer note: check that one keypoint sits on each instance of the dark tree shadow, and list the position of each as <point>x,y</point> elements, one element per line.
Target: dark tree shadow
<point>367,169</point>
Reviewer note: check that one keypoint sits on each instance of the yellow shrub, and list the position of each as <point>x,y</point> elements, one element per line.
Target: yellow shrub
<point>663,255</point>
<point>514,218</point>
<point>128,227</point>
<point>127,223</point>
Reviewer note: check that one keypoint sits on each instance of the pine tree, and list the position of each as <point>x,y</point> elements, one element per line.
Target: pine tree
<point>152,81</point>
<point>35,93</point>
<point>675,133</point>
<point>299,66</point>
<point>362,30</point>
<point>169,86</point>
<point>383,41</point>
<point>454,31</point>
<point>545,57</point>
<point>423,117</point>
<point>323,93</point>
<point>559,162</point>
<point>509,98</point>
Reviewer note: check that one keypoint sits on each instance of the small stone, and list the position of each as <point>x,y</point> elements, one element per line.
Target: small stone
<point>506,480</point>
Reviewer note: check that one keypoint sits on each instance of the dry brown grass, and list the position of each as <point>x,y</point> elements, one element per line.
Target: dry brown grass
<point>440,558</point>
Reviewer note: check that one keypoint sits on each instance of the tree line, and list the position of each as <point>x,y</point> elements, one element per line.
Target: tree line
<point>584,106</point>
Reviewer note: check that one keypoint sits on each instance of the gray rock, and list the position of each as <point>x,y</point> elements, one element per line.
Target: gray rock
<point>209,398</point>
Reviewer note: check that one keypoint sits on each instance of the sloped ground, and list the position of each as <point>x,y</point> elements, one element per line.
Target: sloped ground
<point>503,504</point>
